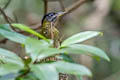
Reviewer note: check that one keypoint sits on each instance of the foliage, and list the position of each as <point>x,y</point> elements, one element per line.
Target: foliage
<point>17,68</point>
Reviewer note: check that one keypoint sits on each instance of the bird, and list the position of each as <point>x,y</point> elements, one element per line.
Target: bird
<point>49,24</point>
<point>49,30</point>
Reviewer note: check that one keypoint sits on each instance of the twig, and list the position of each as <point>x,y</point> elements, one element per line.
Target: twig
<point>7,4</point>
<point>45,6</point>
<point>6,18</point>
<point>62,5</point>
<point>74,6</point>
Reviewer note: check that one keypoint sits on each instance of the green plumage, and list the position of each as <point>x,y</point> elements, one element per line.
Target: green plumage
<point>49,30</point>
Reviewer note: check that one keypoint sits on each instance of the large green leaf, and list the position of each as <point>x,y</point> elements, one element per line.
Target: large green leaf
<point>45,72</point>
<point>8,56</point>
<point>49,52</point>
<point>72,68</point>
<point>39,49</point>
<point>13,36</point>
<point>34,47</point>
<point>79,37</point>
<point>9,68</point>
<point>5,27</point>
<point>11,62</point>
<point>10,76</point>
<point>28,29</point>
<point>86,49</point>
<point>29,76</point>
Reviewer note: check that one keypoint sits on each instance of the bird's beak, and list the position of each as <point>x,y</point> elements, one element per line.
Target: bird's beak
<point>59,14</point>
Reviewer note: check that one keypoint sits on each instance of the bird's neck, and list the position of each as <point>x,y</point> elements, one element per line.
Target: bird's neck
<point>46,24</point>
<point>49,24</point>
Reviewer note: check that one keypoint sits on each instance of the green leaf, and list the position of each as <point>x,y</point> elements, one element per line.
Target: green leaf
<point>34,47</point>
<point>72,68</point>
<point>13,36</point>
<point>66,58</point>
<point>28,29</point>
<point>9,68</point>
<point>39,49</point>
<point>29,76</point>
<point>5,27</point>
<point>86,49</point>
<point>80,37</point>
<point>10,76</point>
<point>49,52</point>
<point>10,57</point>
<point>45,72</point>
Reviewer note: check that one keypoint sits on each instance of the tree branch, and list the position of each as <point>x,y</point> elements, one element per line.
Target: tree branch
<point>45,6</point>
<point>7,19</point>
<point>7,4</point>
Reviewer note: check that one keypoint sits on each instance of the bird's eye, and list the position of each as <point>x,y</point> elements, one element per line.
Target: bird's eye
<point>51,15</point>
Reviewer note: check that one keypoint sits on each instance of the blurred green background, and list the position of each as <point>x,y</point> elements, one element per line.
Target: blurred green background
<point>98,15</point>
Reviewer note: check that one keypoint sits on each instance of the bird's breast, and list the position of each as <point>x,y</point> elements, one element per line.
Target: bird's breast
<point>49,30</point>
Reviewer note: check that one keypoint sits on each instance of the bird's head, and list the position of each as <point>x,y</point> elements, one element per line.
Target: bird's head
<point>52,17</point>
